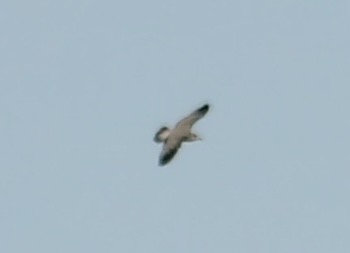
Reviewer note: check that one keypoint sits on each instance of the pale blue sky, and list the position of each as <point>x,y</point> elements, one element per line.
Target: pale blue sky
<point>84,85</point>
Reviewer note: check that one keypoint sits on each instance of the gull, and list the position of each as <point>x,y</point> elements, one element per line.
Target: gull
<point>173,138</point>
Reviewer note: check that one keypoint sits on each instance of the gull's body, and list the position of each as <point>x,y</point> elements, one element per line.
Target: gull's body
<point>173,138</point>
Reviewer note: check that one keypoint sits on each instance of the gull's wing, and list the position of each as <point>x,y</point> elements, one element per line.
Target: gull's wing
<point>187,122</point>
<point>170,147</point>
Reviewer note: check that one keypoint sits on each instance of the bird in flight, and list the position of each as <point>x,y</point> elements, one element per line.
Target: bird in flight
<point>173,138</point>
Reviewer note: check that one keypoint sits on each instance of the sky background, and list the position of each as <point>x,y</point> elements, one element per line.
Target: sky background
<point>84,85</point>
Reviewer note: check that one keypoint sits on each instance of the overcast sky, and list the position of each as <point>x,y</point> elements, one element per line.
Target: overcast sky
<point>84,85</point>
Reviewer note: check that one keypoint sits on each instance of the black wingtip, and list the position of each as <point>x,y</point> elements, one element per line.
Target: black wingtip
<point>163,162</point>
<point>204,108</point>
<point>166,157</point>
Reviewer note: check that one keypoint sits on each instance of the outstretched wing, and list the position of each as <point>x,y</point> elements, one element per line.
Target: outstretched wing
<point>170,149</point>
<point>187,122</point>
